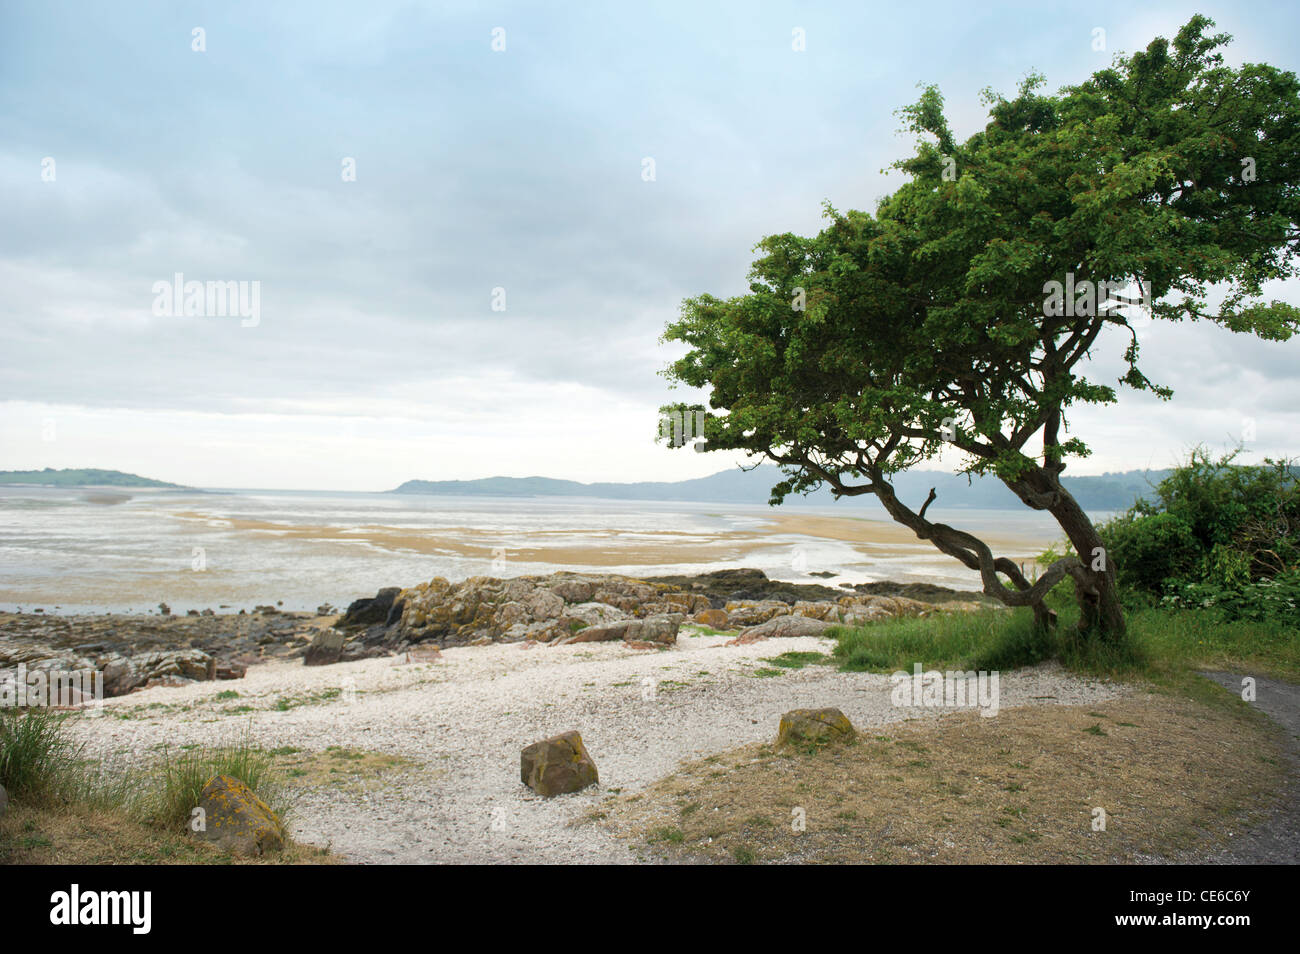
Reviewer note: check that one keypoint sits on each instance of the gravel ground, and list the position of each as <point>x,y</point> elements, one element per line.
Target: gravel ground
<point>465,718</point>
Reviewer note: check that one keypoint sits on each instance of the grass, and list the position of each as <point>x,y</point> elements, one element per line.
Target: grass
<point>175,787</point>
<point>1163,644</point>
<point>1170,773</point>
<point>65,810</point>
<point>798,660</point>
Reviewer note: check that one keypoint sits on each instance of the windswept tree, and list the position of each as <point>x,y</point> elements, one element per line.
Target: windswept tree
<point>958,315</point>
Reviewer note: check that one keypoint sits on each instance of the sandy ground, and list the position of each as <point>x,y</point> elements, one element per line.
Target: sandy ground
<point>617,548</point>
<point>465,718</point>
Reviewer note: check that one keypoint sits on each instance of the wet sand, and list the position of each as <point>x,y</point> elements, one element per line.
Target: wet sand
<point>610,548</point>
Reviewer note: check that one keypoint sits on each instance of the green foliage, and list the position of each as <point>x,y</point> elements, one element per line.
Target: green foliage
<point>1215,534</point>
<point>864,350</point>
<point>41,765</point>
<point>36,756</point>
<point>1276,599</point>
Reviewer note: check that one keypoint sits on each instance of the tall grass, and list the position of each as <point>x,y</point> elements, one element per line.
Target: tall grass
<point>37,759</point>
<point>988,639</point>
<point>43,767</point>
<point>1161,642</point>
<point>173,790</point>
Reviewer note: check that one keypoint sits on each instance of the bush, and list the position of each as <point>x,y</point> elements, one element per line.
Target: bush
<point>1216,534</point>
<point>1276,599</point>
<point>1211,521</point>
<point>1147,550</point>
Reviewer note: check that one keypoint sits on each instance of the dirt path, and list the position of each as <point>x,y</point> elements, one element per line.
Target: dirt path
<point>1277,840</point>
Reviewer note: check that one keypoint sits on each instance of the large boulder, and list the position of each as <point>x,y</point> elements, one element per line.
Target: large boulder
<point>325,649</point>
<point>782,626</point>
<point>713,618</point>
<point>177,667</point>
<point>379,608</point>
<point>235,819</point>
<point>753,612</point>
<point>814,727</point>
<point>557,765</point>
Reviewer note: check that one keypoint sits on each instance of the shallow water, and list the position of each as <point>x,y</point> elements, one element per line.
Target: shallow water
<point>121,550</point>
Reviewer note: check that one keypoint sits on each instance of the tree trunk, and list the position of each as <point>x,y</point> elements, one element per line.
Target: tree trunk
<point>1100,614</point>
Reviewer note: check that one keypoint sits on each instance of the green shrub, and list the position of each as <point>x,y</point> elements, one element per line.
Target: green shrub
<point>1211,521</point>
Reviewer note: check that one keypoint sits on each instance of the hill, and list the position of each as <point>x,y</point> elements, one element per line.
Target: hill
<point>80,477</point>
<point>1104,492</point>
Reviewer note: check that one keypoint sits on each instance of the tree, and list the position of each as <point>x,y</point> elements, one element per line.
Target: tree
<point>958,314</point>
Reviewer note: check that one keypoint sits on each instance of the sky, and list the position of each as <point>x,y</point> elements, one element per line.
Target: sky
<point>536,188</point>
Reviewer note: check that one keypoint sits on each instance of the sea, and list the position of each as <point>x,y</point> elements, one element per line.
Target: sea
<point>128,550</point>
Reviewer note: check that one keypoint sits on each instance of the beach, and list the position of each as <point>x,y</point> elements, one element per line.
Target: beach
<point>111,550</point>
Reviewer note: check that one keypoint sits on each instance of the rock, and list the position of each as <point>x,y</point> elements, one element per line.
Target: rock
<point>753,612</point>
<point>820,609</point>
<point>4,801</point>
<point>574,591</point>
<point>782,626</point>
<point>661,630</point>
<point>367,612</point>
<point>815,727</point>
<point>120,677</point>
<point>600,633</point>
<point>325,649</point>
<point>557,765</point>
<point>235,819</point>
<point>231,670</point>
<point>714,619</point>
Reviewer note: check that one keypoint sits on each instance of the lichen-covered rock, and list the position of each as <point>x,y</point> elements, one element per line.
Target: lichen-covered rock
<point>661,630</point>
<point>713,618</point>
<point>815,727</point>
<point>819,609</point>
<point>866,609</point>
<point>325,649</point>
<point>753,612</point>
<point>557,765</point>
<point>235,819</point>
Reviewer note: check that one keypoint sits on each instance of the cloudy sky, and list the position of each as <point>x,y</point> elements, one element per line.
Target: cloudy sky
<point>512,177</point>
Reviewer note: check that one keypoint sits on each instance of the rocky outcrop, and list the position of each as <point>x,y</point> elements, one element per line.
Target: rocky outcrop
<point>557,765</point>
<point>123,674</point>
<point>233,818</point>
<point>326,648</point>
<point>782,626</point>
<point>815,727</point>
<point>380,608</point>
<point>558,608</point>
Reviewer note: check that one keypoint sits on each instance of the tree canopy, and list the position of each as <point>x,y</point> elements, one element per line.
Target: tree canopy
<point>959,312</point>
